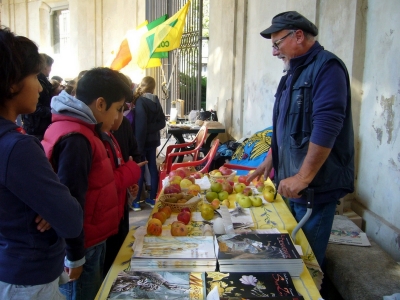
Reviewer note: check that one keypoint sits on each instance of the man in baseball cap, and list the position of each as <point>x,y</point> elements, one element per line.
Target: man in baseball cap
<point>290,20</point>
<point>313,141</point>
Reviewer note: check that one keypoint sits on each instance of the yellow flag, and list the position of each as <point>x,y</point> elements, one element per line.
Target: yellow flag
<point>163,38</point>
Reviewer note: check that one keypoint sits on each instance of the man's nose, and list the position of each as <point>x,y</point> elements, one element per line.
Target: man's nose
<point>275,52</point>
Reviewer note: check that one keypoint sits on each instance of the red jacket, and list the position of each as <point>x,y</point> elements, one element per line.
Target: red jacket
<point>125,173</point>
<point>101,213</point>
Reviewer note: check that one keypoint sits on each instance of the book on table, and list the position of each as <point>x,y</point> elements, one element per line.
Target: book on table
<point>158,285</point>
<point>252,285</point>
<point>255,252</point>
<point>174,253</point>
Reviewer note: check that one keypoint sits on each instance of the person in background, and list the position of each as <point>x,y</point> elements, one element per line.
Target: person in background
<point>70,87</point>
<point>149,120</point>
<point>118,158</point>
<point>56,87</point>
<point>74,147</point>
<point>36,123</point>
<point>37,212</point>
<point>313,139</point>
<point>59,79</point>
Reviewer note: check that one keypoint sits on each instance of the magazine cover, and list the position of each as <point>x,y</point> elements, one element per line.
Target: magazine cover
<point>246,285</point>
<point>253,246</point>
<point>345,232</point>
<point>158,285</point>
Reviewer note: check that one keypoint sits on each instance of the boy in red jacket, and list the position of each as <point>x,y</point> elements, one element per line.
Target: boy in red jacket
<point>73,146</point>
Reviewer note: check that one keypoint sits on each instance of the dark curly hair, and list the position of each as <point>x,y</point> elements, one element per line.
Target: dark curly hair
<point>19,57</point>
<point>102,82</point>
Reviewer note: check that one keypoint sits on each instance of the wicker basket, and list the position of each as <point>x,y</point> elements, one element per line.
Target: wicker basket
<point>177,207</point>
<point>225,178</point>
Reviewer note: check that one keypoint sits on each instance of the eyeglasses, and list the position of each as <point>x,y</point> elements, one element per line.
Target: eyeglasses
<point>276,44</point>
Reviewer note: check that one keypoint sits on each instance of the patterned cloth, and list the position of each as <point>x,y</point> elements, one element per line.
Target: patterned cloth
<point>252,151</point>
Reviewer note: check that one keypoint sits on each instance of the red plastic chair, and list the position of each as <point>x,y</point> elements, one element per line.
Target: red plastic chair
<point>192,148</point>
<point>206,161</point>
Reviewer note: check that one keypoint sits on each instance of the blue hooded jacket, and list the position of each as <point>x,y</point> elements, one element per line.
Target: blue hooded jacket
<point>28,188</point>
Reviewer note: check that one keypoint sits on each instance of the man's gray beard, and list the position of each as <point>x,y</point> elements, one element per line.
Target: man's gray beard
<point>286,66</point>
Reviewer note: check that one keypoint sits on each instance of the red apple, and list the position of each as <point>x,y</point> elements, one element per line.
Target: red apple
<point>247,191</point>
<point>177,172</point>
<point>225,170</point>
<point>178,229</point>
<point>172,189</point>
<point>186,170</point>
<point>187,209</point>
<point>191,178</point>
<point>184,217</point>
<point>243,179</point>
<point>197,175</point>
<point>227,187</point>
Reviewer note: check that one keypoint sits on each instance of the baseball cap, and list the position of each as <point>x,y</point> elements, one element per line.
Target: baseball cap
<point>290,20</point>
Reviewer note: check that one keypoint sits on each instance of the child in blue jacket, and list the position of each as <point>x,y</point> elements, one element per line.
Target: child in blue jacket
<point>31,253</point>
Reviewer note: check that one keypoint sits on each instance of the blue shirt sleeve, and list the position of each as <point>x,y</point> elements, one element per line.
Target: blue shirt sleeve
<point>329,104</point>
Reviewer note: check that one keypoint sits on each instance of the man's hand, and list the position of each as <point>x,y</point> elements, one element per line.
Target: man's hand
<point>315,158</point>
<point>43,225</point>
<point>74,273</point>
<point>292,186</point>
<point>264,169</point>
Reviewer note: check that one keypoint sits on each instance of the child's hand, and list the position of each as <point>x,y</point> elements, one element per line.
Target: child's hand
<point>141,164</point>
<point>133,190</point>
<point>43,225</point>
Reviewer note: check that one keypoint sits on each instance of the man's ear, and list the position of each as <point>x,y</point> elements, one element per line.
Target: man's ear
<point>100,104</point>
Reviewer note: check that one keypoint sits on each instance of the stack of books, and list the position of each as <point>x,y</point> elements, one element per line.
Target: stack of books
<point>254,252</point>
<point>174,253</point>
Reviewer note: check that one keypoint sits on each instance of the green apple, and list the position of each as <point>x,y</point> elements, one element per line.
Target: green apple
<point>216,187</point>
<point>269,193</point>
<point>256,201</point>
<point>244,201</point>
<point>238,196</point>
<point>210,196</point>
<point>207,211</point>
<point>239,187</point>
<point>223,195</point>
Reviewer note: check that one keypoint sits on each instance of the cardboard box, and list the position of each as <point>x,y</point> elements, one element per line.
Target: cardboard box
<point>356,219</point>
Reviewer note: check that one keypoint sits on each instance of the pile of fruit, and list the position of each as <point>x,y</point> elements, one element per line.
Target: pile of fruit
<point>228,193</point>
<point>178,228</point>
<point>183,179</point>
<point>221,192</point>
